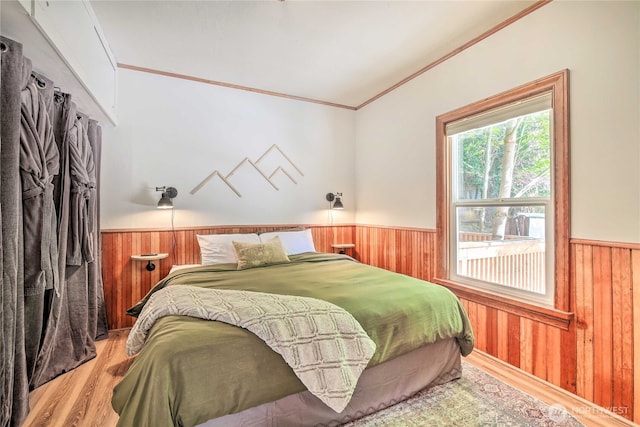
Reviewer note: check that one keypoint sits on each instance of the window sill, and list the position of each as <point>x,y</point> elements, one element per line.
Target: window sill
<point>549,316</point>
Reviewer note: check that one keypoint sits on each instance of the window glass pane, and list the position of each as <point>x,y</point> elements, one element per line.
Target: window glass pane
<point>510,159</point>
<point>504,245</point>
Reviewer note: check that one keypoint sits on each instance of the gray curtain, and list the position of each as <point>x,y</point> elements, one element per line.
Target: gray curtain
<point>39,163</point>
<point>53,304</point>
<point>77,315</point>
<point>13,370</point>
<point>98,325</point>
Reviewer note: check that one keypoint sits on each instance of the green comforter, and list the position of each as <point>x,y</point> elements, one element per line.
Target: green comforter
<point>192,370</point>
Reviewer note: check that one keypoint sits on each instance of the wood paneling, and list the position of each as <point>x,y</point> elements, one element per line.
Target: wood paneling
<point>403,250</point>
<point>635,289</point>
<point>597,356</point>
<point>607,321</point>
<point>127,281</point>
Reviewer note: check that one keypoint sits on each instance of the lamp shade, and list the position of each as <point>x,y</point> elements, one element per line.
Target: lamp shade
<point>335,198</point>
<point>165,202</point>
<point>168,193</point>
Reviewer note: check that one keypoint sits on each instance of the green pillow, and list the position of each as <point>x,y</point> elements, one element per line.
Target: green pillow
<point>251,255</point>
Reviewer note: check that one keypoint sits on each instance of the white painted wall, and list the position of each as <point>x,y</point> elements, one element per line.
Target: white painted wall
<point>175,133</point>
<point>599,42</point>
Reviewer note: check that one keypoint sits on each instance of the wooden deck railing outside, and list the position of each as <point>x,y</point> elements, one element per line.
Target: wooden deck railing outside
<point>515,262</point>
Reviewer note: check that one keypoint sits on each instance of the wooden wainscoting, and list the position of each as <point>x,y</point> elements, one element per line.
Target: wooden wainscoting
<point>597,357</point>
<point>403,250</point>
<point>127,281</point>
<point>606,279</point>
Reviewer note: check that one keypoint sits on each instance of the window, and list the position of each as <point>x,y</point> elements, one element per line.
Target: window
<point>503,194</point>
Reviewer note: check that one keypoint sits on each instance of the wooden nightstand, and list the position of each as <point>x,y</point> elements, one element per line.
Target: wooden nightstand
<point>149,257</point>
<point>343,247</point>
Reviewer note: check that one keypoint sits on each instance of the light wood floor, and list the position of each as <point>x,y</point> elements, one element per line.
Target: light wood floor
<point>82,397</point>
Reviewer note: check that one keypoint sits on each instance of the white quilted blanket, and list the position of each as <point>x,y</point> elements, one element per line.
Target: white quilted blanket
<point>323,344</point>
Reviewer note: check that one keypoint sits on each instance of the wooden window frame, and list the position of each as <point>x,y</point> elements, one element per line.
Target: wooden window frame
<point>560,314</point>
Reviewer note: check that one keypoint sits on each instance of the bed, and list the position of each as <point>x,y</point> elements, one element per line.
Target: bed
<point>196,372</point>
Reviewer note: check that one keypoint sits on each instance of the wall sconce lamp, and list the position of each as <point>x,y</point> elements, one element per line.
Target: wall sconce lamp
<point>168,193</point>
<point>335,196</point>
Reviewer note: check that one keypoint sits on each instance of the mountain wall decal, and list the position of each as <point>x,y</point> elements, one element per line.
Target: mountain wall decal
<point>284,169</point>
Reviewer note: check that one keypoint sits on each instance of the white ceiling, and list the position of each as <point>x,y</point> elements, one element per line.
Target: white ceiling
<point>343,52</point>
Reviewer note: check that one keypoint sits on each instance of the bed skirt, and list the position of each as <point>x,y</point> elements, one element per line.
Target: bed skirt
<point>378,387</point>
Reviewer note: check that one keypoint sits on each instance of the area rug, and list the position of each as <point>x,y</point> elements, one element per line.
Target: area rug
<point>476,399</point>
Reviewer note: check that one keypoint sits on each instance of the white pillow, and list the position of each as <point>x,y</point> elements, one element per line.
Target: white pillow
<point>182,266</point>
<point>294,242</point>
<point>218,249</point>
